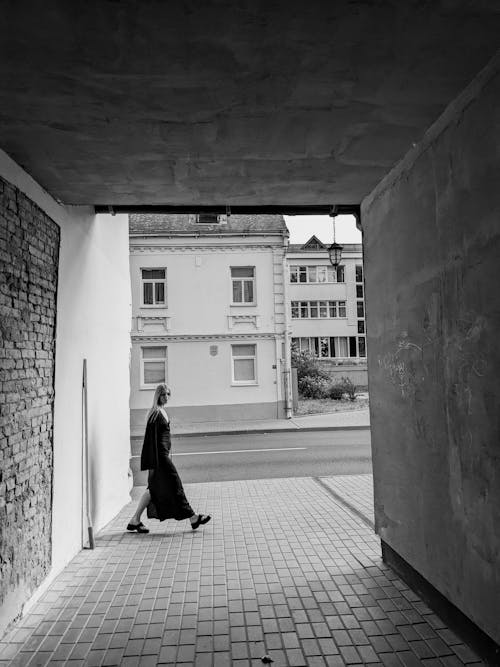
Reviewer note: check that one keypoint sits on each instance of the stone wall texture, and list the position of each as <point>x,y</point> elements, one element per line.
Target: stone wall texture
<point>29,252</point>
<point>432,249</point>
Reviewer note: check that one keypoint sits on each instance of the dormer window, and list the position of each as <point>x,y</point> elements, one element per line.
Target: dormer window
<point>208,219</point>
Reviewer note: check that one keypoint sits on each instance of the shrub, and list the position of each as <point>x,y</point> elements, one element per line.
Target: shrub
<point>348,387</point>
<point>307,365</point>
<point>336,391</point>
<point>311,386</point>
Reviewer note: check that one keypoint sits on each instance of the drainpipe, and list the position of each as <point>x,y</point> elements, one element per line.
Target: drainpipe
<point>287,361</point>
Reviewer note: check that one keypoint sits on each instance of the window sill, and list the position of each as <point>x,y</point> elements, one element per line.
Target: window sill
<point>244,384</point>
<point>243,305</point>
<point>154,306</point>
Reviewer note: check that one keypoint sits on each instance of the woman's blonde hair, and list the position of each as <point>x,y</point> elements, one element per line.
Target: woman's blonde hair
<point>161,390</point>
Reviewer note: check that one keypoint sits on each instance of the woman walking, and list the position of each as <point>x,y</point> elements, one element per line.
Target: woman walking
<point>164,498</point>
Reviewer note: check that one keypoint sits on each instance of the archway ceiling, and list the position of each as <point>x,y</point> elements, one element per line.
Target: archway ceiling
<point>225,101</point>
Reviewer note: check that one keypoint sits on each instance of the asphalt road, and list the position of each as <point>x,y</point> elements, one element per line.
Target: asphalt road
<point>267,455</point>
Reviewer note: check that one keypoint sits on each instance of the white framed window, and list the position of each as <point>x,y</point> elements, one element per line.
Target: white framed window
<point>317,274</point>
<point>244,364</point>
<point>318,309</point>
<point>323,274</point>
<point>154,287</point>
<point>153,365</point>
<point>243,284</point>
<point>331,347</point>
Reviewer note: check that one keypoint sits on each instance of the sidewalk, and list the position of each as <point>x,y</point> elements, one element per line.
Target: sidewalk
<point>288,568</point>
<point>353,419</point>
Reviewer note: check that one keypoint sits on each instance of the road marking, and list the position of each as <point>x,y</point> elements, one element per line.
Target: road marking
<point>239,451</point>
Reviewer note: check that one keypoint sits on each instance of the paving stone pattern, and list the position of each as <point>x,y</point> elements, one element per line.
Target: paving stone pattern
<point>356,491</point>
<point>283,569</point>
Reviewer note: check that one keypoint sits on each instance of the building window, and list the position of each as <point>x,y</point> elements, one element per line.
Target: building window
<point>359,291</point>
<point>361,326</point>
<point>360,309</point>
<point>244,364</point>
<point>243,282</point>
<point>353,348</point>
<point>362,346</point>
<point>317,274</point>
<point>207,218</point>
<point>359,273</point>
<point>315,309</point>
<point>329,347</point>
<point>153,365</point>
<point>154,287</point>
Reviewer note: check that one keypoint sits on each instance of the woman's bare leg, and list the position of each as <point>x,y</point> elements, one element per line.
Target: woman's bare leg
<point>144,501</point>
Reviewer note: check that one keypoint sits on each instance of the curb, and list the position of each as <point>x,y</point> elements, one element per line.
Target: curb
<point>297,429</point>
<point>263,429</point>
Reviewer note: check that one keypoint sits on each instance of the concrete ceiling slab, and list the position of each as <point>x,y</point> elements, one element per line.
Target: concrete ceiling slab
<point>227,101</point>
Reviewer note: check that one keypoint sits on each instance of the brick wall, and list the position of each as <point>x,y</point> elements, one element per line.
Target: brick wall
<point>29,251</point>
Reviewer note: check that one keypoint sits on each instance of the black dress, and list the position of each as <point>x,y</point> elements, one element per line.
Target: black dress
<point>168,500</point>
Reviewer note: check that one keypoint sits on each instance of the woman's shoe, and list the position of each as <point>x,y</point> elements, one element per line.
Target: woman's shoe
<point>139,527</point>
<point>202,518</point>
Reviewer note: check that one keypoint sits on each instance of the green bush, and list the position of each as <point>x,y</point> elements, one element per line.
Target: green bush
<point>336,391</point>
<point>348,387</point>
<point>311,386</point>
<point>307,365</point>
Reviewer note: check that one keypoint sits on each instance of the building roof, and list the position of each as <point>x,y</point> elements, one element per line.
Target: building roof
<point>299,248</point>
<point>185,224</point>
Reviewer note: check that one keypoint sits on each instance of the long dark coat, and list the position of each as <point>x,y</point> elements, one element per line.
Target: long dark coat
<point>168,500</point>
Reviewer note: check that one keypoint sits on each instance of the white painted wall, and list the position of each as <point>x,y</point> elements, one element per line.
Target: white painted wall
<point>93,321</point>
<point>198,378</point>
<point>199,283</point>
<point>199,295</point>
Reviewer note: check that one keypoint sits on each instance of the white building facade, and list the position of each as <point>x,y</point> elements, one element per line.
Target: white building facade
<point>209,316</point>
<point>327,312</point>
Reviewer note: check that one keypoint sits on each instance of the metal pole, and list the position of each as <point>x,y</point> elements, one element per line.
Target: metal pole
<point>86,459</point>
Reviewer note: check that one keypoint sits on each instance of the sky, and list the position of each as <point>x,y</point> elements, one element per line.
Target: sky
<point>302,227</point>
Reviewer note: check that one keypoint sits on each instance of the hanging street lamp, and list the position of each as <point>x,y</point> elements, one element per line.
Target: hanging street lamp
<point>335,249</point>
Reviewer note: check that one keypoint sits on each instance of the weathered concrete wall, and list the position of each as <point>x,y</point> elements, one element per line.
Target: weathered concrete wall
<point>246,102</point>
<point>432,249</point>
<point>29,251</point>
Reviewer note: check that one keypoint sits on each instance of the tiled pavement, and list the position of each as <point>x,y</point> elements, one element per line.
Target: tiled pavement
<point>285,569</point>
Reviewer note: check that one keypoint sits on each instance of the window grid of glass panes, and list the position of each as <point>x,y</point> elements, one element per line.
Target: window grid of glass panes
<point>318,309</point>
<point>360,310</point>
<point>328,347</point>
<point>244,364</point>
<point>153,287</point>
<point>243,279</point>
<point>317,274</point>
<point>154,365</point>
